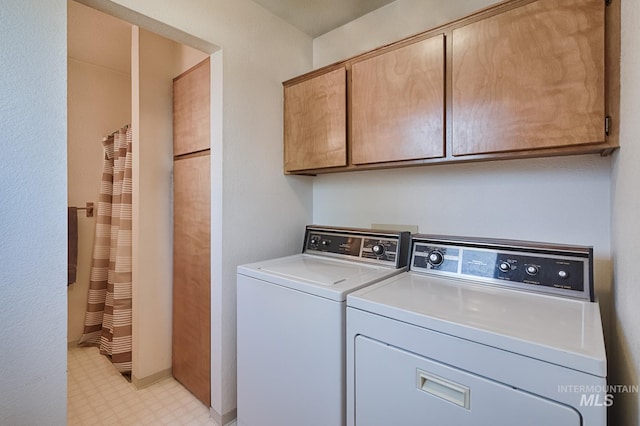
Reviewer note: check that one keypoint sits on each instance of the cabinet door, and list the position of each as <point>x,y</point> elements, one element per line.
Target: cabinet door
<point>191,106</point>
<point>191,276</point>
<point>315,122</point>
<point>530,78</point>
<point>397,104</point>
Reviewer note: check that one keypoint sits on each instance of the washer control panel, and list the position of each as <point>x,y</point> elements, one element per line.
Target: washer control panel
<point>539,267</point>
<point>373,246</point>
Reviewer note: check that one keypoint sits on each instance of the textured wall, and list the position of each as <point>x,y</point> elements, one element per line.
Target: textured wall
<point>33,213</point>
<point>625,356</point>
<point>562,200</point>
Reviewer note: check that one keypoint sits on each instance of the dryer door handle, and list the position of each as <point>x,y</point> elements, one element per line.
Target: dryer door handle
<point>443,388</point>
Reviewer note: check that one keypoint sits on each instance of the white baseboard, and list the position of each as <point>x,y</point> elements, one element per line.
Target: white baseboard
<point>228,419</point>
<point>141,383</point>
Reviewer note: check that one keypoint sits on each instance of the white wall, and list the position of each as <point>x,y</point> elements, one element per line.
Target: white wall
<point>258,212</point>
<point>562,200</point>
<point>548,199</point>
<point>390,23</point>
<point>156,61</point>
<point>33,213</point>
<point>99,102</point>
<point>625,357</point>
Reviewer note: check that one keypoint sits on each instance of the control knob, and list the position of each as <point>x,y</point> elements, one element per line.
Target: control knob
<point>504,266</point>
<point>378,249</point>
<point>563,274</point>
<point>326,242</point>
<point>532,270</point>
<point>435,258</point>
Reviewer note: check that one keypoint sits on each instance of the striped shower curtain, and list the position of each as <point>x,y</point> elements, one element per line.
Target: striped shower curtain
<point>108,319</point>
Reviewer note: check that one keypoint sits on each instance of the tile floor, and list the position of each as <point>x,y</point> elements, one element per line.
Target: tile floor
<point>99,395</point>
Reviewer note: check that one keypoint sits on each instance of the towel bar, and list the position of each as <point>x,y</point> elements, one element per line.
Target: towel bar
<point>88,208</point>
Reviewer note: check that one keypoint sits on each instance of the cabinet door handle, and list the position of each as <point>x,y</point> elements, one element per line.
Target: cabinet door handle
<point>442,388</point>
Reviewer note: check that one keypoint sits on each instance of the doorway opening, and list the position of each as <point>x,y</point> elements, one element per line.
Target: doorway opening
<point>120,73</point>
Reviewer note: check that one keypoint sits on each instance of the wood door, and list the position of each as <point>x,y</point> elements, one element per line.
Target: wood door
<point>191,275</point>
<point>315,122</point>
<point>397,104</point>
<point>530,78</point>
<point>191,110</point>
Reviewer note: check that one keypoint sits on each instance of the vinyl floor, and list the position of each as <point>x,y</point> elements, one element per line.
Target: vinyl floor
<point>99,395</point>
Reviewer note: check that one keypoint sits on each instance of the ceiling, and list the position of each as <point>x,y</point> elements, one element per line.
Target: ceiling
<point>316,17</point>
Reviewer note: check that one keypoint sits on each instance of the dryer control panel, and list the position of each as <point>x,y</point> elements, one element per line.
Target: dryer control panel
<point>373,246</point>
<point>540,267</point>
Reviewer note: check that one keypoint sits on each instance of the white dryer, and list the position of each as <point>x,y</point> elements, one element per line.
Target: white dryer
<point>479,332</point>
<point>291,315</point>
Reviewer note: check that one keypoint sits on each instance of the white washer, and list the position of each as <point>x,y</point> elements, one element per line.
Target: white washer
<point>479,332</point>
<point>291,324</point>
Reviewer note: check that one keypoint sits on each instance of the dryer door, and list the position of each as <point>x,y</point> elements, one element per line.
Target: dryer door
<point>397,387</point>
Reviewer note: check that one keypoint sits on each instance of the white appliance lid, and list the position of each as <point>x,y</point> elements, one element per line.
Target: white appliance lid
<point>558,330</point>
<point>315,270</point>
<point>318,275</point>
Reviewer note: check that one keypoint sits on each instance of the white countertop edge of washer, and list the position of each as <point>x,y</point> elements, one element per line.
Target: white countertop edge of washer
<point>561,331</point>
<point>318,275</point>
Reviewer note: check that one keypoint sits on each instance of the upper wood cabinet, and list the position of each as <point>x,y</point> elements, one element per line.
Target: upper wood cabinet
<point>191,110</point>
<point>532,77</point>
<point>397,104</point>
<point>522,78</point>
<point>315,122</point>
